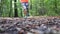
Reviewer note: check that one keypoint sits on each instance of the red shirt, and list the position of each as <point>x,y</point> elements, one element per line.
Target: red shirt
<point>23,0</point>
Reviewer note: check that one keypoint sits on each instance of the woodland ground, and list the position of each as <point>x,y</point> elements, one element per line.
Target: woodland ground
<point>7,22</point>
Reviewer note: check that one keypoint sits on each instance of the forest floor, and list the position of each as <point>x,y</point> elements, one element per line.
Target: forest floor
<point>13,25</point>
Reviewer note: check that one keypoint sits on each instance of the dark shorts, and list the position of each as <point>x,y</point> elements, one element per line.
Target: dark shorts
<point>25,5</point>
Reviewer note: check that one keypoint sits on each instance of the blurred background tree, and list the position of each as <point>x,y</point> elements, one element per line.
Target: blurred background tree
<point>13,8</point>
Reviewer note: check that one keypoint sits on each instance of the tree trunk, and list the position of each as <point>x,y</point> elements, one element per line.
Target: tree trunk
<point>15,8</point>
<point>1,3</point>
<point>30,4</point>
<point>10,8</point>
<point>56,6</point>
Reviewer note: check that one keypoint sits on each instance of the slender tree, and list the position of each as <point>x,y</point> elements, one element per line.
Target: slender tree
<point>15,9</point>
<point>30,4</point>
<point>10,8</point>
<point>1,9</point>
<point>56,7</point>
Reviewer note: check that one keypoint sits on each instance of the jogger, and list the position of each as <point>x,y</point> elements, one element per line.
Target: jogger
<point>25,5</point>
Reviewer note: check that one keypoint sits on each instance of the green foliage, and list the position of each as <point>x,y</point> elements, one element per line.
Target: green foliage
<point>36,8</point>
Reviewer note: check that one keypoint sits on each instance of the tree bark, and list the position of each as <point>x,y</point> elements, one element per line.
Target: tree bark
<point>1,2</point>
<point>56,6</point>
<point>10,8</point>
<point>31,4</point>
<point>15,8</point>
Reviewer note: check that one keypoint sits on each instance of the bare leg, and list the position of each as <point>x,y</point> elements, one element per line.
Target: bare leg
<point>25,12</point>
